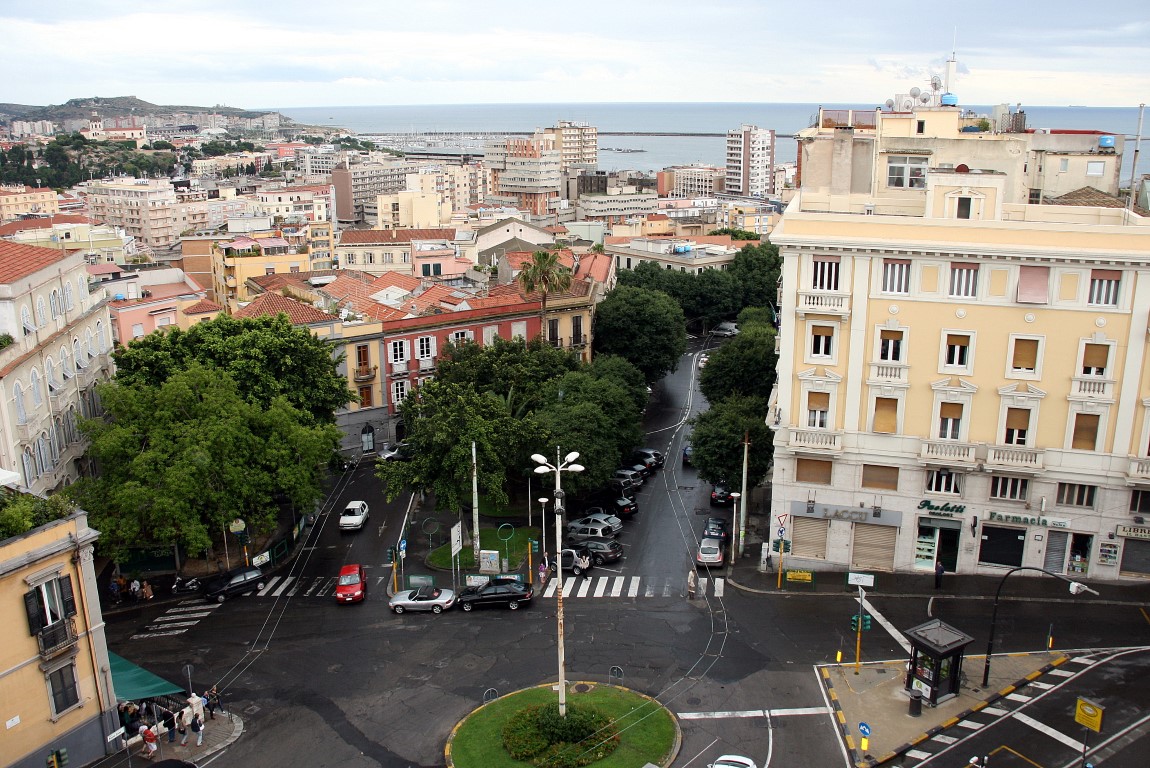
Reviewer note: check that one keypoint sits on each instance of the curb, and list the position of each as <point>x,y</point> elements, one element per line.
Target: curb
<point>840,718</point>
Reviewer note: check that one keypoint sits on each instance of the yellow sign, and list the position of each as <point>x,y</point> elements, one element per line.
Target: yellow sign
<point>803,576</point>
<point>1089,714</point>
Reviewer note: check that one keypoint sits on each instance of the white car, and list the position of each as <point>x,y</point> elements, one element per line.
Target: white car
<point>725,329</point>
<point>354,516</point>
<point>710,554</point>
<point>703,361</point>
<point>733,761</point>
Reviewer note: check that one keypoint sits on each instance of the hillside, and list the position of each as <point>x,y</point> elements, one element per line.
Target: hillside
<point>109,106</point>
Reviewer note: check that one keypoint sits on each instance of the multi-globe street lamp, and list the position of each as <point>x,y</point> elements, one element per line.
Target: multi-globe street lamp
<point>567,465</point>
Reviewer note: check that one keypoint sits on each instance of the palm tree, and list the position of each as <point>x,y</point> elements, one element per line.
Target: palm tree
<point>546,274</point>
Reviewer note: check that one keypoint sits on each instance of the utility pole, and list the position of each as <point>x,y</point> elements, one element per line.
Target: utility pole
<point>474,505</point>
<point>745,497</point>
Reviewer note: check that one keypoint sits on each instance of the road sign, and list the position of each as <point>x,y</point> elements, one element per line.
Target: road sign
<point>237,526</point>
<point>783,518</point>
<point>403,545</point>
<point>1089,714</point>
<point>456,539</point>
<point>116,734</point>
<point>864,729</point>
<point>782,531</point>
<point>860,579</point>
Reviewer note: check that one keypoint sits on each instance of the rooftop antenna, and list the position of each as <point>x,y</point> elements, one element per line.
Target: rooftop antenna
<point>952,63</point>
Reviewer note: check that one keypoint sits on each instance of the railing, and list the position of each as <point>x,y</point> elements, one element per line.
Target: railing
<point>398,367</point>
<point>427,363</point>
<point>578,341</point>
<point>56,638</point>
<point>1015,458</point>
<point>1139,468</point>
<point>821,301</point>
<point>365,372</point>
<point>896,372</point>
<point>946,451</point>
<point>1090,386</point>
<point>819,439</point>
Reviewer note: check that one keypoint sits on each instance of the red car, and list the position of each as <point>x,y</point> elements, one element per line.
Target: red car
<point>352,584</point>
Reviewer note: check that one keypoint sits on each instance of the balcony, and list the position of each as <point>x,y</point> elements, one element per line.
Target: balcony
<point>824,303</point>
<point>817,440</point>
<point>890,373</point>
<point>365,372</point>
<point>56,638</point>
<point>1012,458</point>
<point>427,364</point>
<point>946,452</point>
<point>578,342</point>
<point>1138,469</point>
<point>398,368</point>
<point>1092,387</point>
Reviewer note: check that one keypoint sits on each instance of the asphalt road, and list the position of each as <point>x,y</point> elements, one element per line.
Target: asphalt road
<point>320,684</point>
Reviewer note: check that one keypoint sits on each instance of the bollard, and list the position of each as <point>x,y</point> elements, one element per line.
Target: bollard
<point>915,703</point>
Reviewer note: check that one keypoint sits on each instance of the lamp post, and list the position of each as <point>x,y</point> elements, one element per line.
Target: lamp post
<point>543,523</point>
<point>1076,588</point>
<point>734,528</point>
<point>567,465</point>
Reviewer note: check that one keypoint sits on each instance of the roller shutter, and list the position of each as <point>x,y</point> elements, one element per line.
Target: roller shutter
<point>809,537</point>
<point>874,547</point>
<point>1135,558</point>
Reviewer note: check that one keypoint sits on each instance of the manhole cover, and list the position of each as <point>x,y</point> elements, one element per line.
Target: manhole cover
<point>582,688</point>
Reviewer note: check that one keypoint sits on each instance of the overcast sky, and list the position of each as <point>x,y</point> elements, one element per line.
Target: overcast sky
<point>290,53</point>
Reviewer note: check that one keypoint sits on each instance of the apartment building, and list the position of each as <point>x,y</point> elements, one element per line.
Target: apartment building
<point>266,252</point>
<point>357,187</point>
<point>54,663</point>
<point>143,208</point>
<point>310,202</point>
<point>144,301</point>
<point>17,200</point>
<point>525,173</point>
<point>682,254</point>
<point>460,184</point>
<point>616,206</point>
<point>963,363</point>
<point>411,209</point>
<point>685,181</point>
<point>377,251</point>
<point>750,161</point>
<point>21,128</point>
<point>99,243</point>
<point>576,142</point>
<point>58,351</point>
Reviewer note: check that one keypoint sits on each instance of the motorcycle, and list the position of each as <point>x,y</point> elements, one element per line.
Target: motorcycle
<point>183,586</point>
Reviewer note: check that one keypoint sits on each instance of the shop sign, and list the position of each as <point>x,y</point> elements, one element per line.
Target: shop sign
<point>1133,532</point>
<point>851,514</point>
<point>1045,522</point>
<point>942,510</point>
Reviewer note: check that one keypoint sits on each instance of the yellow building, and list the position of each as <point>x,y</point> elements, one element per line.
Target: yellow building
<point>963,374</point>
<point>55,679</point>
<point>17,200</point>
<point>235,261</point>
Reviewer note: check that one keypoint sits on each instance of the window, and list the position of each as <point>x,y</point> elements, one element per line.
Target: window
<point>398,351</point>
<point>1095,167</point>
<point>102,336</point>
<point>942,481</point>
<point>821,338</point>
<point>78,353</point>
<point>885,415</point>
<point>1063,165</point>
<point>890,346</point>
<point>49,603</point>
<point>878,476</point>
<point>577,329</point>
<point>369,258</point>
<point>1008,488</point>
<point>553,332</point>
<point>350,258</point>
<point>963,209</point>
<point>137,330</point>
<point>957,347</point>
<point>365,400</point>
<point>813,471</point>
<point>908,171</point>
<point>26,321</point>
<point>963,280</point>
<point>1024,358</point>
<point>1140,502</point>
<point>41,313</point>
<point>398,391</point>
<point>54,303</point>
<point>825,273</point>
<point>388,258</point>
<point>1094,359</point>
<point>269,270</point>
<point>818,405</point>
<point>425,347</point>
<point>1085,436</point>
<point>68,303</point>
<point>1017,424</point>
<point>65,691</point>
<point>949,420</point>
<point>1104,287</point>
<point>21,407</point>
<point>895,276</point>
<point>1076,495</point>
<point>920,126</point>
<point>34,385</point>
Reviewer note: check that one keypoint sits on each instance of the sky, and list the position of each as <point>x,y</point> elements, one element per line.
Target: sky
<point>292,53</point>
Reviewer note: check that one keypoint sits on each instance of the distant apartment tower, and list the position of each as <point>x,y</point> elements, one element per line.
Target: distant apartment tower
<point>691,181</point>
<point>144,208</point>
<point>357,187</point>
<point>525,173</point>
<point>577,143</point>
<point>750,161</point>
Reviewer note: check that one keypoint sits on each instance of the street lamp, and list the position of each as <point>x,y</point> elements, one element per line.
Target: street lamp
<point>567,465</point>
<point>735,495</point>
<point>1076,588</point>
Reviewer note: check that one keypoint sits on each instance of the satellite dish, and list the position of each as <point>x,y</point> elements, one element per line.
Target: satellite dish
<point>915,91</point>
<point>890,103</point>
<point>907,105</point>
<point>936,83</point>
<point>924,98</point>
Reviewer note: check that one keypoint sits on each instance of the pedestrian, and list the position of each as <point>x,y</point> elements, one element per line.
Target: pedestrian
<point>149,738</point>
<point>182,727</point>
<point>134,590</point>
<point>198,729</point>
<point>213,702</point>
<point>114,591</point>
<point>938,571</point>
<point>542,573</point>
<point>584,563</point>
<point>146,590</point>
<point>170,725</point>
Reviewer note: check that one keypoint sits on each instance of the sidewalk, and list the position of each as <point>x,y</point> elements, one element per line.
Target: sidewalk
<point>218,734</point>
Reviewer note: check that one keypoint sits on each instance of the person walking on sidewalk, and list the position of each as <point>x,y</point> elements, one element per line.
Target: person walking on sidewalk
<point>114,591</point>
<point>149,738</point>
<point>198,729</point>
<point>938,571</point>
<point>170,725</point>
<point>182,728</point>
<point>212,697</point>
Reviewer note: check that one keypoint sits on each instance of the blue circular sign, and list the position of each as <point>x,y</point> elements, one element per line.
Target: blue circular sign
<point>403,545</point>
<point>864,729</point>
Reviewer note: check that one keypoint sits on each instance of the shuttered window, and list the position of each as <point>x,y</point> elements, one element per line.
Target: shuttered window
<point>1034,285</point>
<point>964,280</point>
<point>957,345</point>
<point>1094,359</point>
<point>1017,424</point>
<point>821,339</point>
<point>1085,432</point>
<point>1025,357</point>
<point>895,276</point>
<point>818,407</point>
<point>1104,287</point>
<point>825,276</point>
<point>813,471</point>
<point>879,476</point>
<point>885,415</point>
<point>949,420</point>
<point>890,346</point>
<point>809,537</point>
<point>874,547</point>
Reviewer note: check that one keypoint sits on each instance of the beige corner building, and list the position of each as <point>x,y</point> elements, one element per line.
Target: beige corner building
<point>963,374</point>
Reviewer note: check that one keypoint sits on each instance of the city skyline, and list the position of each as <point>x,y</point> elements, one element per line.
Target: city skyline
<point>450,52</point>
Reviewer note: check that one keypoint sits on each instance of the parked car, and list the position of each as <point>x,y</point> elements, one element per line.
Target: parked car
<point>351,586</point>
<point>354,516</point>
<point>650,455</point>
<point>710,554</point>
<point>642,468</point>
<point>721,497</point>
<point>620,507</point>
<point>622,487</point>
<point>733,761</point>
<point>601,550</point>
<point>715,528</point>
<point>237,581</point>
<point>725,329</point>
<point>395,452</point>
<point>613,524</point>
<point>496,592</point>
<point>579,535</point>
<point>629,474</point>
<point>703,361</point>
<point>434,599</point>
<point>688,451</point>
<point>567,561</point>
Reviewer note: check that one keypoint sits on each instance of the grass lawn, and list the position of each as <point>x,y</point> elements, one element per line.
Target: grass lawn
<point>646,729</point>
<point>517,547</point>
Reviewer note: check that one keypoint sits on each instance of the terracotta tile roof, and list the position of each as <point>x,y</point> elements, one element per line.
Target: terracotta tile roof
<point>24,191</point>
<point>1095,198</point>
<point>657,217</point>
<point>406,282</point>
<point>202,307</point>
<point>18,260</point>
<point>104,269</point>
<point>274,304</point>
<point>392,236</point>
<point>23,225</point>
<point>596,266</point>
<point>555,229</point>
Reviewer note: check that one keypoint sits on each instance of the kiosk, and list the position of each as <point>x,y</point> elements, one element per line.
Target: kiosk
<point>935,660</point>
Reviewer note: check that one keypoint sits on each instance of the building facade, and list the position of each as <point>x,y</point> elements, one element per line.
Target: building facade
<point>525,173</point>
<point>750,161</point>
<point>17,200</point>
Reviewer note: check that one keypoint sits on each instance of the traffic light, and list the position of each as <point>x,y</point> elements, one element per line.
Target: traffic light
<point>58,758</point>
<point>866,621</point>
<point>855,623</point>
<point>777,544</point>
<point>52,762</point>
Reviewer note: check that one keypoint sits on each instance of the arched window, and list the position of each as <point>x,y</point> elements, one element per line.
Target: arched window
<point>59,438</point>
<point>70,428</point>
<point>54,303</point>
<point>51,374</point>
<point>26,320</point>
<point>84,412</point>
<point>41,313</point>
<point>78,353</point>
<point>102,337</point>
<point>91,340</point>
<point>30,474</point>
<point>68,303</point>
<point>66,361</point>
<point>34,385</point>
<point>43,454</point>
<point>80,281</point>
<point>18,400</point>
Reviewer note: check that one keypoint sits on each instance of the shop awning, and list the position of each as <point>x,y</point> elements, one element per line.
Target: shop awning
<point>133,683</point>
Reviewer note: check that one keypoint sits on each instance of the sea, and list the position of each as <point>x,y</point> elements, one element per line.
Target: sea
<point>658,152</point>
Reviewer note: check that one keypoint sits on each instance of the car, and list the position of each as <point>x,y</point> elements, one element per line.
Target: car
<point>733,761</point>
<point>507,592</point>
<point>354,516</point>
<point>395,452</point>
<point>721,497</point>
<point>425,598</point>
<point>622,487</point>
<point>577,536</point>
<point>351,586</point>
<point>601,550</point>
<point>613,524</point>
<point>650,455</point>
<point>710,554</point>
<point>567,561</point>
<point>725,329</point>
<point>237,581</point>
<point>642,468</point>
<point>688,451</point>
<point>621,507</point>
<point>703,361</point>
<point>629,474</point>
<point>715,528</point>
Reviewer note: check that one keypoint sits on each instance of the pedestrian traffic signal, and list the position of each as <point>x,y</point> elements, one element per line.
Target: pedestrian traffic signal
<point>783,544</point>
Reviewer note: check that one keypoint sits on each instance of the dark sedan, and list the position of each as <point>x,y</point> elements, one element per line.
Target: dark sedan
<point>601,550</point>
<point>720,496</point>
<point>500,592</point>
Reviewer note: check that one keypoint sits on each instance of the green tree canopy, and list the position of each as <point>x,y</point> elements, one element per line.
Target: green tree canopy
<point>268,357</point>
<point>510,369</point>
<point>717,440</point>
<point>21,512</point>
<point>645,327</point>
<point>756,271</point>
<point>544,273</point>
<point>742,365</point>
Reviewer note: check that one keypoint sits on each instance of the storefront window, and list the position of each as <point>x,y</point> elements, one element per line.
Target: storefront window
<point>1002,546</point>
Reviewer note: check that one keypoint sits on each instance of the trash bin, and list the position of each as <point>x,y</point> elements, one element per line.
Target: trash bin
<point>915,703</point>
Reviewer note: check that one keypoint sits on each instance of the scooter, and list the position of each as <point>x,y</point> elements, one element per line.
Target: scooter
<point>183,586</point>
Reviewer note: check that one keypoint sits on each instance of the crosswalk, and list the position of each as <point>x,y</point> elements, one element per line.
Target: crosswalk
<point>178,619</point>
<point>633,586</point>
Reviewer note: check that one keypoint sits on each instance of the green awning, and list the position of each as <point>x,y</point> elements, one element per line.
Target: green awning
<point>133,683</point>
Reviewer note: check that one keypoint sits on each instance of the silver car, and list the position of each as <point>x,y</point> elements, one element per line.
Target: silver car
<point>432,599</point>
<point>610,523</point>
<point>710,554</point>
<point>354,516</point>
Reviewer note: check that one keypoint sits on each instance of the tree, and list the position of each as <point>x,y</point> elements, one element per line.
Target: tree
<point>756,271</point>
<point>21,512</point>
<point>182,458</point>
<point>736,234</point>
<point>509,368</point>
<point>615,367</point>
<point>547,275</point>
<point>647,328</point>
<point>268,357</point>
<point>743,365</point>
<point>717,441</point>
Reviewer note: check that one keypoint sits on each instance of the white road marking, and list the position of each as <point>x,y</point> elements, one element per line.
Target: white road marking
<point>650,591</point>
<point>719,586</point>
<point>1018,697</point>
<point>994,711</point>
<point>917,754</point>
<point>942,737</point>
<point>667,588</point>
<point>1041,686</point>
<point>172,624</point>
<point>550,591</point>
<point>286,583</point>
<point>182,616</point>
<point>702,588</point>
<point>1061,673</point>
<point>313,587</point>
<point>1044,728</point>
<point>793,712</point>
<point>569,586</point>
<point>617,586</point>
<point>898,636</point>
<point>268,587</point>
<point>144,635</point>
<point>586,585</point>
<point>633,590</point>
<point>201,607</point>
<point>970,725</point>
